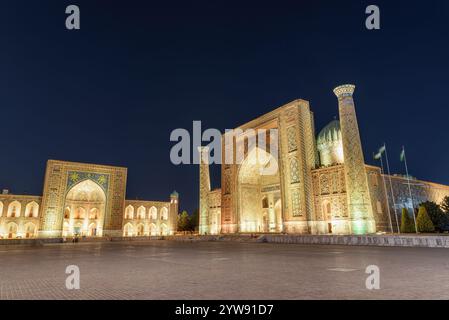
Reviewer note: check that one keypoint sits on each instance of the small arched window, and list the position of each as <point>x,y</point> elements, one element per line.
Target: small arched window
<point>93,214</point>
<point>129,212</point>
<point>80,213</point>
<point>164,213</point>
<point>67,213</point>
<point>327,209</point>
<point>141,212</point>
<point>12,230</point>
<point>153,213</point>
<point>129,230</point>
<point>265,202</point>
<point>32,210</point>
<point>14,209</point>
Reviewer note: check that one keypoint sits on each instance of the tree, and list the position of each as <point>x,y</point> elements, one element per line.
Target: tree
<point>194,221</point>
<point>183,221</point>
<point>445,205</point>
<point>439,218</point>
<point>407,223</point>
<point>423,221</point>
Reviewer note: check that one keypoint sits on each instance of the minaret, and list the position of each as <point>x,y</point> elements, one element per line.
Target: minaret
<point>204,190</point>
<point>174,211</point>
<point>359,200</point>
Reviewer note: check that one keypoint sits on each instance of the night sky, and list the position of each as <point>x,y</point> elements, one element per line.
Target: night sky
<point>112,92</point>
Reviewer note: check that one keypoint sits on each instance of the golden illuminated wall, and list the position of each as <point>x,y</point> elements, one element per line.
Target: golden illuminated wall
<point>61,176</point>
<point>293,183</point>
<point>19,216</point>
<point>359,201</point>
<point>331,203</point>
<point>298,159</point>
<point>150,218</point>
<point>378,193</point>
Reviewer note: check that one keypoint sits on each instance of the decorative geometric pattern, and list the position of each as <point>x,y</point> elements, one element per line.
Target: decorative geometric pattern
<point>75,177</point>
<point>294,171</point>
<point>291,138</point>
<point>227,182</point>
<point>324,184</point>
<point>360,206</point>
<point>296,203</point>
<point>335,181</point>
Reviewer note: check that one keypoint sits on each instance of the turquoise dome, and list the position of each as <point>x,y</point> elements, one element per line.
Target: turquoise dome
<point>330,145</point>
<point>330,133</point>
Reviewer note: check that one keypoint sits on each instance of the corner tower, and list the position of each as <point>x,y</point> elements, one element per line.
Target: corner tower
<point>174,210</point>
<point>359,201</point>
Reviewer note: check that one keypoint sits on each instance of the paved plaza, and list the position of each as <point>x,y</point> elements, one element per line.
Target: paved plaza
<point>221,270</point>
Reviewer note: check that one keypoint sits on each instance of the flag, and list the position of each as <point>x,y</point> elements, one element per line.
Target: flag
<point>377,156</point>
<point>382,150</point>
<point>402,155</point>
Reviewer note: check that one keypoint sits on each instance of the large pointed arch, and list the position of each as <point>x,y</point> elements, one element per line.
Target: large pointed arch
<point>258,192</point>
<point>85,204</point>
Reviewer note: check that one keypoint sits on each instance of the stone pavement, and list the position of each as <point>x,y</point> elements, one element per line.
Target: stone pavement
<point>221,270</point>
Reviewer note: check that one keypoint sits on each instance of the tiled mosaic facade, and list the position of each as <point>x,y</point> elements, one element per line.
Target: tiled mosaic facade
<point>84,200</point>
<point>322,185</point>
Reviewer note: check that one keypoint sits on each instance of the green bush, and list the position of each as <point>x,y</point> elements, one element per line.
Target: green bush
<point>423,221</point>
<point>407,223</point>
<point>437,215</point>
<point>183,221</point>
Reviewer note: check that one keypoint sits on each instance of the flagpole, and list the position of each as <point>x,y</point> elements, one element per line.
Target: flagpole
<point>385,188</point>
<point>391,188</point>
<point>409,188</point>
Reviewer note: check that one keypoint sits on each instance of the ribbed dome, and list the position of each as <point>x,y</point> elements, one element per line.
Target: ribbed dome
<point>330,145</point>
<point>330,133</point>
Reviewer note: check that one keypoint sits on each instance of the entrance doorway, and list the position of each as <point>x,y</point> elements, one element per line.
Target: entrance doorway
<point>260,208</point>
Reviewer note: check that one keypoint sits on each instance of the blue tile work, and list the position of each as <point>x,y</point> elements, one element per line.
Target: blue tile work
<point>75,177</point>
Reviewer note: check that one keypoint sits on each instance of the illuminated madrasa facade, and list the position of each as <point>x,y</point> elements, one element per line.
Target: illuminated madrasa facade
<point>85,200</point>
<point>322,185</point>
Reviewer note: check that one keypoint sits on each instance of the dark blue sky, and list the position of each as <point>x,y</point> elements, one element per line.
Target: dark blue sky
<point>112,92</point>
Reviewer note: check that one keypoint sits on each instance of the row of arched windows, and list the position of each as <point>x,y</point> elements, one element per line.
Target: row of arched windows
<point>81,213</point>
<point>12,231</point>
<point>140,230</point>
<point>15,207</point>
<point>142,213</point>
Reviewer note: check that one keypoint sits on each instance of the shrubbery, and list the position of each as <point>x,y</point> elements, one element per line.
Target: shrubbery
<point>423,221</point>
<point>407,223</point>
<point>438,214</point>
<point>188,222</point>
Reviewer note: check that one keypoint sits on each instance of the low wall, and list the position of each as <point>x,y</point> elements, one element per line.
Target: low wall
<point>29,242</point>
<point>427,241</point>
<point>43,241</point>
<point>235,238</point>
<point>135,238</point>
